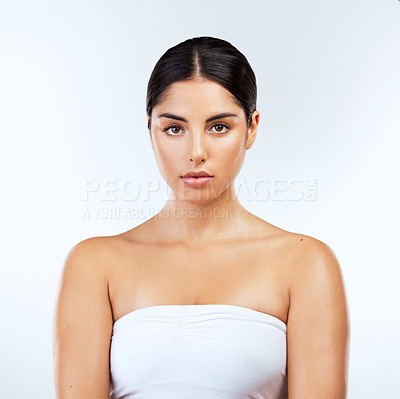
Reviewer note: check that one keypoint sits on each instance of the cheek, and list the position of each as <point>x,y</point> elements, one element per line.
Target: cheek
<point>230,155</point>
<point>168,158</point>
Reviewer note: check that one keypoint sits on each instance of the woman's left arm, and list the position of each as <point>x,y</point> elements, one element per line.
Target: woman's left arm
<point>318,328</point>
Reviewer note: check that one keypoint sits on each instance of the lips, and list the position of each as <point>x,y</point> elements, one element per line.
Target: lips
<point>196,179</point>
<point>201,173</point>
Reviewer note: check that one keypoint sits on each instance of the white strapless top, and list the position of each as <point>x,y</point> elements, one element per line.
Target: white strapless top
<point>207,351</point>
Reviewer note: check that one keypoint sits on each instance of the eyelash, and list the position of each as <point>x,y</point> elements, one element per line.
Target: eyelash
<point>215,124</point>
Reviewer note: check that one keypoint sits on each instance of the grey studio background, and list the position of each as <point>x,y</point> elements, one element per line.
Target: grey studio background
<point>76,159</point>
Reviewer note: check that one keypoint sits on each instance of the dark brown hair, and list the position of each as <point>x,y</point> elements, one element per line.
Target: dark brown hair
<point>204,57</point>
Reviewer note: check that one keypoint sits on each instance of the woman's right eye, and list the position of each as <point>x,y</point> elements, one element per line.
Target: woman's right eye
<point>172,127</point>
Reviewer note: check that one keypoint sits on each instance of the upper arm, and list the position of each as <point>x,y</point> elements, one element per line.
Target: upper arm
<point>82,325</point>
<point>318,329</point>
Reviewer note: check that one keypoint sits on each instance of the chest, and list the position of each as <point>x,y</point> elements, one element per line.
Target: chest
<point>246,275</point>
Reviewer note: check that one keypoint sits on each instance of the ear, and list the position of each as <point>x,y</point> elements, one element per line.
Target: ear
<point>149,129</point>
<point>252,130</point>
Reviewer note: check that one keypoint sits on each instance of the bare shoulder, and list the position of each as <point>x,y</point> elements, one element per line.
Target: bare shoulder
<point>305,255</point>
<point>318,325</point>
<point>84,277</point>
<point>313,262</point>
<point>94,248</point>
<point>82,322</point>
<point>296,245</point>
<point>312,268</point>
<point>95,255</point>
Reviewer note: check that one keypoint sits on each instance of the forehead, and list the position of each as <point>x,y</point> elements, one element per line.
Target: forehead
<point>197,97</point>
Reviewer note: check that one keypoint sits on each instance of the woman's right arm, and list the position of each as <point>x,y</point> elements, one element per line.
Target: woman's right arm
<point>82,324</point>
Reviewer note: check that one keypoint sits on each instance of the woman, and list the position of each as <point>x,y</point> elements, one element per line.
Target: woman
<point>204,299</point>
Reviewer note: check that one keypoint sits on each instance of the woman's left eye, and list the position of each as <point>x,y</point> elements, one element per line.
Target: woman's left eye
<point>223,125</point>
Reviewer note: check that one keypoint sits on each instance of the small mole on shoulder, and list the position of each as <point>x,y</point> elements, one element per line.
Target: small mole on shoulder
<point>301,239</point>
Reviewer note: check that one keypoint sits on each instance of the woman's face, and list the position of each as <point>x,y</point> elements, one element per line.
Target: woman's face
<point>188,135</point>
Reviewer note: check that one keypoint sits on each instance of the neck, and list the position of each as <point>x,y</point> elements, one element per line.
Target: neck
<point>200,221</point>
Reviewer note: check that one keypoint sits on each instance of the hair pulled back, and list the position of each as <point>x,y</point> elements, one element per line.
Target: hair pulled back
<point>209,58</point>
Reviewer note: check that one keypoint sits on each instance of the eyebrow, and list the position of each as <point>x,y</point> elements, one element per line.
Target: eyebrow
<point>179,118</point>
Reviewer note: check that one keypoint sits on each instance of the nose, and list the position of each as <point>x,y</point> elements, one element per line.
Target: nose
<point>198,152</point>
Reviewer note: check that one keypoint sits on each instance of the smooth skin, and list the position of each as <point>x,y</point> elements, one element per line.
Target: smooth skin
<point>187,257</point>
